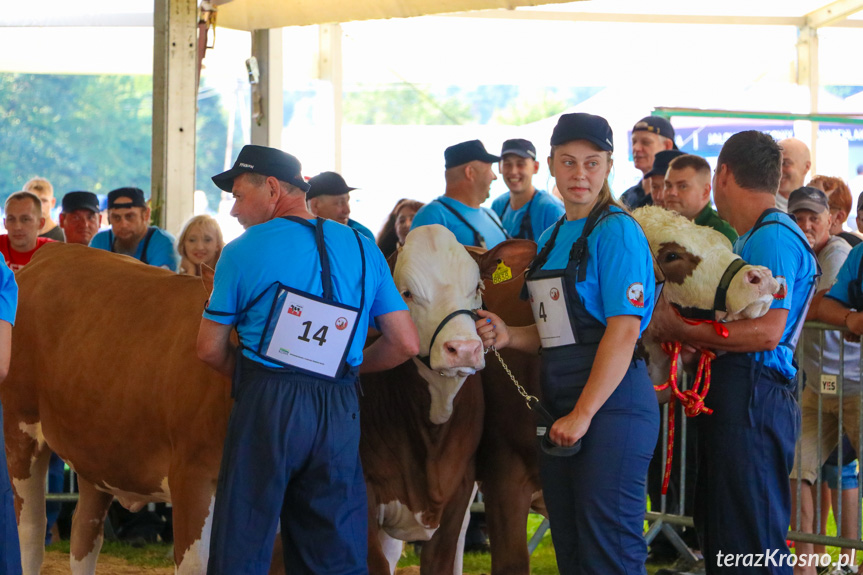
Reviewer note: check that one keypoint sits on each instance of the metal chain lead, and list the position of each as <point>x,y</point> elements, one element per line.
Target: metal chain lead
<point>521,390</point>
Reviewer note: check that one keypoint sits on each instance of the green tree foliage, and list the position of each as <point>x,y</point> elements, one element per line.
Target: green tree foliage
<point>94,133</point>
<point>80,132</point>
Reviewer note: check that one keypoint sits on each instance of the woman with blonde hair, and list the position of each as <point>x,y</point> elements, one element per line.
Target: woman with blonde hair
<point>200,244</point>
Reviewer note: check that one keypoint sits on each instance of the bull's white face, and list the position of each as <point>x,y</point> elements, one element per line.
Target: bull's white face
<point>436,276</point>
<point>693,259</point>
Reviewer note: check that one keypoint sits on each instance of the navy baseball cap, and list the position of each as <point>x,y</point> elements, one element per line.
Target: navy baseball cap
<point>581,126</point>
<point>467,152</point>
<point>519,147</point>
<point>661,161</point>
<point>267,162</point>
<point>655,125</point>
<point>808,198</point>
<point>80,201</point>
<point>327,184</point>
<point>135,195</point>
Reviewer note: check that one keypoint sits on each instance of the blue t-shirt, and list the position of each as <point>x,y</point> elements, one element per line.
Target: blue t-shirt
<point>160,251</point>
<point>483,220</point>
<point>361,228</point>
<point>619,266</point>
<point>847,276</point>
<point>8,294</point>
<point>284,251</point>
<point>782,250</point>
<point>545,210</point>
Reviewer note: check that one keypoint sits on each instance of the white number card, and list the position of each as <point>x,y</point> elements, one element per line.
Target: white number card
<point>828,384</point>
<point>549,312</point>
<point>312,335</point>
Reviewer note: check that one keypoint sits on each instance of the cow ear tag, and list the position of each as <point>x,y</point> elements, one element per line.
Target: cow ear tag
<point>502,273</point>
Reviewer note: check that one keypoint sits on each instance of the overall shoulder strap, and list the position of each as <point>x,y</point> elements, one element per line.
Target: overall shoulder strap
<point>478,240</point>
<point>147,239</point>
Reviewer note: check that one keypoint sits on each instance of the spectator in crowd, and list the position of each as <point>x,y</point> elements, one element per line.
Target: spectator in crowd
<point>841,206</point>
<point>742,498</point>
<point>22,222</point>
<point>795,165</point>
<point>10,550</point>
<point>687,191</point>
<point>468,177</point>
<point>654,180</point>
<point>524,211</point>
<point>200,244</point>
<point>80,217</point>
<point>649,136</point>
<point>811,209</point>
<point>329,198</point>
<point>131,234</point>
<point>45,191</point>
<point>397,226</point>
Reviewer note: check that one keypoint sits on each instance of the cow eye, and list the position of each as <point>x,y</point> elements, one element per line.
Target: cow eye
<point>407,294</point>
<point>670,257</point>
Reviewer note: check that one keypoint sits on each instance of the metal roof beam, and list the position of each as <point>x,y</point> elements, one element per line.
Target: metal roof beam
<point>833,13</point>
<point>731,20</point>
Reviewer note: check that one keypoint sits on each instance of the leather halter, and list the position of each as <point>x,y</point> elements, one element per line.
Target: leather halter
<point>719,299</point>
<point>426,359</point>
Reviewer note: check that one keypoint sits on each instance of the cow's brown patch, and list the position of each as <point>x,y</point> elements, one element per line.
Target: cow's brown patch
<point>676,263</point>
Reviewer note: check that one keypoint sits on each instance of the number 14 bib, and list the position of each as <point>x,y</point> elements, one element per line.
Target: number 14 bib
<point>309,333</point>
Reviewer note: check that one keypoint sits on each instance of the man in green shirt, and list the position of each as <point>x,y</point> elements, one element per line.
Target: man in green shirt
<point>687,192</point>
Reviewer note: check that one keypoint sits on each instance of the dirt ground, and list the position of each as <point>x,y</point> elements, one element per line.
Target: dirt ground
<point>57,563</point>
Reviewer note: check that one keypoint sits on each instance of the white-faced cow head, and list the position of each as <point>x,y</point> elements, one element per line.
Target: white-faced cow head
<point>693,260</point>
<point>441,282</point>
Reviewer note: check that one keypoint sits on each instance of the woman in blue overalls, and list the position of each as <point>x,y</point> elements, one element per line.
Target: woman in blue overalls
<point>592,292</point>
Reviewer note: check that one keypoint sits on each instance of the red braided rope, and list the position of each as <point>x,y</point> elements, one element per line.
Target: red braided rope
<point>692,399</point>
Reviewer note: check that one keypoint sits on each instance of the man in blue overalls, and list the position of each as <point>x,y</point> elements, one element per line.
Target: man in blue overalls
<point>10,550</point>
<point>746,446</point>
<point>468,176</point>
<point>300,292</point>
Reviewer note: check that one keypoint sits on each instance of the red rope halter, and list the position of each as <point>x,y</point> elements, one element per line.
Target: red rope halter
<point>691,399</point>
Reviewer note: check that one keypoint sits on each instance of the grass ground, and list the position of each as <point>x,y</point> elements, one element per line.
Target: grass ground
<point>542,561</point>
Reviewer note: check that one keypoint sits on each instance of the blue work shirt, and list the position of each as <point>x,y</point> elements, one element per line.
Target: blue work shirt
<point>545,210</point>
<point>361,228</point>
<point>8,294</point>
<point>619,279</point>
<point>483,220</point>
<point>846,277</point>
<point>776,248</point>
<point>284,251</point>
<point>160,251</point>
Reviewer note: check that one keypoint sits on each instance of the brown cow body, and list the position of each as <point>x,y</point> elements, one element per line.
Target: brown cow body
<point>104,372</point>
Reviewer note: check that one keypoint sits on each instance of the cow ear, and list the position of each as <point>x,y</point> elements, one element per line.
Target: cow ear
<point>207,274</point>
<point>511,255</point>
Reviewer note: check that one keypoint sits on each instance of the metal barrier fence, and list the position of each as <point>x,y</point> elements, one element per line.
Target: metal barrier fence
<point>839,351</point>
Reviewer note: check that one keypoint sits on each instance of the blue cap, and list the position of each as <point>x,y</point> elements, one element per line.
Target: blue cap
<point>655,125</point>
<point>267,162</point>
<point>808,198</point>
<point>327,184</point>
<point>661,161</point>
<point>467,152</point>
<point>580,126</point>
<point>519,147</point>
<point>80,201</point>
<point>135,195</point>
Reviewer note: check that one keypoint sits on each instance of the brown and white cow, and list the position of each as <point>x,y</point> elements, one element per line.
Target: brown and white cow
<point>421,425</point>
<point>693,259</point>
<point>104,373</point>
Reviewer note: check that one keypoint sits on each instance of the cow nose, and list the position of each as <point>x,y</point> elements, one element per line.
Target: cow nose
<point>460,353</point>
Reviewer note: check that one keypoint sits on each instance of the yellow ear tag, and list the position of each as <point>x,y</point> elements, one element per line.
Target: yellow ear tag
<point>501,274</point>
